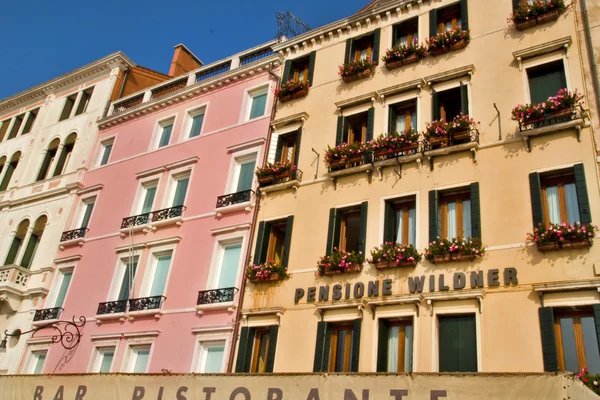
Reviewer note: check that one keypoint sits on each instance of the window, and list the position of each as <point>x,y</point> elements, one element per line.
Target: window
<point>147,197</point>
<point>160,273</point>
<point>84,101</point>
<point>138,359</point>
<point>85,212</point>
<point>63,281</point>
<point>576,341</point>
<point>355,128</point>
<point>68,107</point>
<point>455,213</point>
<point>104,359</point>
<point>165,129</point>
<point>363,47</point>
<point>36,362</point>
<point>228,266</point>
<point>258,103</point>
<point>400,221</point>
<point>457,343</point>
<point>395,347</point>
<point>34,241</point>
<point>406,32</point>
<point>10,170</point>
<point>48,159</point>
<point>449,18</point>
<point>4,128</point>
<point>348,228</point>
<point>403,116</point>
<point>560,196</point>
<point>297,70</point>
<point>105,150</point>
<point>273,241</point>
<point>546,80</point>
<point>181,187</point>
<point>126,282</point>
<point>449,103</point>
<point>256,353</point>
<point>30,121</point>
<point>16,126</point>
<point>288,147</point>
<point>211,357</point>
<point>65,154</point>
<point>337,346</point>
<point>196,119</point>
<point>245,175</point>
<point>17,242</point>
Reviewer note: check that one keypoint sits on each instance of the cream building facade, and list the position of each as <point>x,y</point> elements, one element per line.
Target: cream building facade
<point>517,308</point>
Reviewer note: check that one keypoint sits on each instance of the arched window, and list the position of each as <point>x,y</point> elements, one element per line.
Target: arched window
<point>65,154</point>
<point>17,242</point>
<point>34,241</point>
<point>2,164</point>
<point>10,170</point>
<point>48,160</point>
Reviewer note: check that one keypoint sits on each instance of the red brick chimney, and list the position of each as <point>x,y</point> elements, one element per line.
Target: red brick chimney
<point>183,61</point>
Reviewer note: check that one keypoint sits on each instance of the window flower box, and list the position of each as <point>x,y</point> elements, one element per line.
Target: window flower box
<point>357,69</point>
<point>538,12</point>
<point>291,90</point>
<point>459,45</point>
<point>562,236</point>
<point>525,24</point>
<point>393,144</point>
<point>548,16</point>
<point>394,255</point>
<point>457,249</point>
<point>274,172</point>
<point>340,262</point>
<point>267,272</point>
<point>556,107</point>
<point>459,130</point>
<point>442,43</point>
<point>345,155</point>
<point>442,258</point>
<point>404,54</point>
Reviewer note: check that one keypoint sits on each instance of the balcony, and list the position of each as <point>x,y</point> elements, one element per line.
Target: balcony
<point>211,72</point>
<point>112,307</point>
<point>47,314</point>
<point>234,202</point>
<point>453,142</point>
<point>73,237</point>
<point>169,88</point>
<point>257,55</point>
<point>146,303</point>
<point>152,220</point>
<point>13,285</point>
<point>215,299</point>
<point>560,120</point>
<point>129,103</point>
<point>130,309</point>
<point>289,179</point>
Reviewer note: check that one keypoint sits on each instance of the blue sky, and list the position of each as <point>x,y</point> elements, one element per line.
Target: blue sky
<point>44,39</point>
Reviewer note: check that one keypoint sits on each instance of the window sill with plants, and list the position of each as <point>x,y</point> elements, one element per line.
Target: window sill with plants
<point>458,249</point>
<point>394,255</point>
<point>357,69</point>
<point>292,90</point>
<point>563,236</point>
<point>340,262</point>
<point>270,271</point>
<point>278,176</point>
<point>527,15</point>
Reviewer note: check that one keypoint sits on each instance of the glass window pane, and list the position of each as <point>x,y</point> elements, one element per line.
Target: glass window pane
<point>246,176</point>
<point>165,135</point>
<point>141,360</point>
<point>262,353</point>
<point>412,226</point>
<point>148,200</point>
<point>553,204</point>
<point>40,358</point>
<point>399,225</point>
<point>259,102</point>
<point>401,123</point>
<point>197,121</point>
<point>180,192</point>
<point>87,213</point>
<point>392,356</point>
<point>160,276</point>
<point>62,291</point>
<point>214,359</point>
<point>408,353</point>
<point>229,266</point>
<point>466,215</point>
<point>128,278</point>
<point>340,351</point>
<point>106,154</point>
<point>590,343</point>
<point>107,359</point>
<point>572,204</point>
<point>451,218</point>
<point>568,343</point>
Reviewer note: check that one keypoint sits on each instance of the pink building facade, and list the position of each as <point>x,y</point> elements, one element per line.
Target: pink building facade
<point>155,250</point>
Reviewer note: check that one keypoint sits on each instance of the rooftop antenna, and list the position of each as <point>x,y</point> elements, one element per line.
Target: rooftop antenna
<point>288,26</point>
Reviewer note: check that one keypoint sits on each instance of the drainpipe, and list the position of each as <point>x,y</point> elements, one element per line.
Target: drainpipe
<point>252,230</point>
<point>590,51</point>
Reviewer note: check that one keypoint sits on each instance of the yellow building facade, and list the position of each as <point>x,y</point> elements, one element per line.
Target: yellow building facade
<point>520,307</point>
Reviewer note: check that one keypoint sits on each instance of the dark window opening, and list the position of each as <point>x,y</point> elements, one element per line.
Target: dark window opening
<point>449,18</point>
<point>406,32</point>
<point>546,80</point>
<point>362,48</point>
<point>84,101</point>
<point>403,116</point>
<point>355,130</point>
<point>16,126</point>
<point>449,103</point>
<point>68,107</point>
<point>30,121</point>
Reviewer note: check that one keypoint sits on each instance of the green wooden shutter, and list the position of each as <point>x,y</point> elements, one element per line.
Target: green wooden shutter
<point>318,362</point>
<point>467,343</point>
<point>464,99</point>
<point>388,223</point>
<point>246,337</point>
<point>326,347</point>
<point>297,150</point>
<point>330,231</point>
<point>12,252</point>
<point>434,223</point>
<point>248,355</point>
<point>288,241</point>
<point>370,123</point>
<point>337,229</point>
<point>535,190</point>
<point>278,148</point>
<point>376,40</point>
<point>516,4</point>
<point>339,136</point>
<point>311,67</point>
<point>435,105</point>
<point>30,251</point>
<point>464,14</point>
<point>348,52</point>
<point>286,71</point>
<point>448,343</point>
<point>355,353</point>
<point>582,194</point>
<point>259,239</point>
<point>364,207</point>
<point>272,347</point>
<point>264,244</point>
<point>596,308</point>
<point>433,26</point>
<point>548,339</point>
<point>392,119</point>
<point>475,210</point>
<point>382,346</point>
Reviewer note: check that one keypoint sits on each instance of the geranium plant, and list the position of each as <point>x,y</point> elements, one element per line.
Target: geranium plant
<point>456,247</point>
<point>527,11</point>
<point>354,67</point>
<point>589,380</point>
<point>402,51</point>
<point>562,233</point>
<point>344,150</point>
<point>266,271</point>
<point>564,99</point>
<point>436,128</point>
<point>461,122</point>
<point>394,253</point>
<point>340,260</point>
<point>394,140</point>
<point>447,39</point>
<point>291,87</point>
<point>275,168</point>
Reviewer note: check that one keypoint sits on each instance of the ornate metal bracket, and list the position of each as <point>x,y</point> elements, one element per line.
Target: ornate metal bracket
<point>69,336</point>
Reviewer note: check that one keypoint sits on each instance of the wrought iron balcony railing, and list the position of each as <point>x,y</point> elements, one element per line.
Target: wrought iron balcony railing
<point>146,303</point>
<point>451,139</point>
<point>74,234</point>
<point>132,102</point>
<point>209,73</point>
<point>169,88</point>
<point>257,55</point>
<point>288,176</point>
<point>112,307</point>
<point>234,198</point>
<point>167,213</point>
<point>216,295</point>
<point>47,314</point>
<point>552,118</point>
<point>135,220</point>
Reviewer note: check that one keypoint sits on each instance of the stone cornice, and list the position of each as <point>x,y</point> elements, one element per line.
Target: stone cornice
<point>40,92</point>
<point>191,91</point>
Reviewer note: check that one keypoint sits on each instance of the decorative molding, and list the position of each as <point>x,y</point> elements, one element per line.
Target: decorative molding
<point>151,243</point>
<point>211,329</point>
<point>125,335</point>
<point>541,49</point>
<point>69,259</point>
<point>355,101</point>
<point>90,189</point>
<point>182,163</point>
<point>417,84</point>
<point>451,74</point>
<point>289,120</point>
<point>150,172</point>
<point>467,294</point>
<point>567,286</point>
<point>246,145</point>
<point>230,229</point>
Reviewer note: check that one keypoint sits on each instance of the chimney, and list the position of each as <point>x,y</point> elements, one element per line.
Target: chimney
<point>183,61</point>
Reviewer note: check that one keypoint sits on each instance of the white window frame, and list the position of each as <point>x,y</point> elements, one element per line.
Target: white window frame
<point>129,360</point>
<point>158,128</point>
<point>417,214</point>
<point>97,355</point>
<point>263,88</point>
<point>391,312</point>
<point>102,146</point>
<point>57,282</point>
<point>151,264</point>
<point>83,203</point>
<point>32,358</point>
<point>401,98</point>
<point>541,60</point>
<point>174,177</point>
<point>221,242</point>
<point>189,114</point>
<point>237,159</point>
<point>115,286</point>
<point>206,337</point>
<point>454,307</point>
<point>153,181</point>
